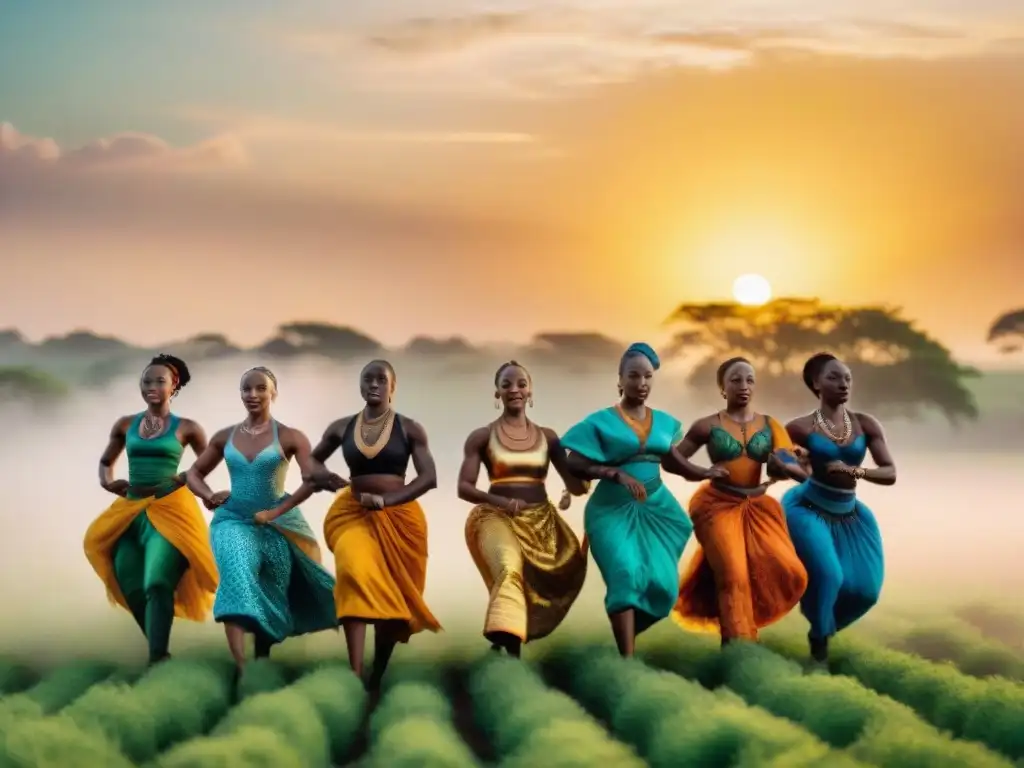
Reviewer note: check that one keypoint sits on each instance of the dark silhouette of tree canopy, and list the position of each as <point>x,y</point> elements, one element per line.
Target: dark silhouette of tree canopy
<point>574,351</point>
<point>427,346</point>
<point>1008,331</point>
<point>83,342</point>
<point>899,369</point>
<point>334,341</point>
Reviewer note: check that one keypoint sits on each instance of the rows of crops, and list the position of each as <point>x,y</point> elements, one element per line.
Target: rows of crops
<point>681,702</point>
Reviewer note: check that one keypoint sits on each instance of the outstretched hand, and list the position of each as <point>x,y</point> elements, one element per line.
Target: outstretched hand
<point>371,501</point>
<point>839,468</point>
<point>513,506</point>
<point>715,472</point>
<point>216,500</point>
<point>335,482</point>
<point>118,487</point>
<point>566,501</point>
<point>631,484</point>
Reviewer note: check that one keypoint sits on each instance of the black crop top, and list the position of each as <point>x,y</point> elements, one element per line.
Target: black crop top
<point>393,458</point>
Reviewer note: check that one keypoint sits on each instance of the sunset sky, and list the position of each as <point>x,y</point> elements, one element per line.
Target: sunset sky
<point>496,169</point>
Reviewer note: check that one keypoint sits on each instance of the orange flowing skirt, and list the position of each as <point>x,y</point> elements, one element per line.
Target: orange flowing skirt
<point>746,575</point>
<point>380,561</point>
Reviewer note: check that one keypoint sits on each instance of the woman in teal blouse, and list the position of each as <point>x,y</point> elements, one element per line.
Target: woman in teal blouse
<point>636,528</point>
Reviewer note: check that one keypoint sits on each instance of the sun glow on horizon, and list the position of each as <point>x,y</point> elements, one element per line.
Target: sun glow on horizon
<point>752,290</point>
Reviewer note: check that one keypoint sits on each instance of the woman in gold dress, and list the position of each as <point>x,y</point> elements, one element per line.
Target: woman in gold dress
<point>530,560</point>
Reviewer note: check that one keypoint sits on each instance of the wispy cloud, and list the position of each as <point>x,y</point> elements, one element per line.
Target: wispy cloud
<point>534,51</point>
<point>253,128</point>
<point>122,151</point>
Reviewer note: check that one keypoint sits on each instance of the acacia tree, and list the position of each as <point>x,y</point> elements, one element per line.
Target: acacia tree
<point>1008,331</point>
<point>900,369</point>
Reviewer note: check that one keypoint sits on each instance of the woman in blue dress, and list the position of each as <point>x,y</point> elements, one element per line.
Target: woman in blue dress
<point>835,534</point>
<point>635,527</point>
<point>271,582</point>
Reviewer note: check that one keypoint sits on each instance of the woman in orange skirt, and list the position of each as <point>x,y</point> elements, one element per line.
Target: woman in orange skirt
<point>746,575</point>
<point>376,527</point>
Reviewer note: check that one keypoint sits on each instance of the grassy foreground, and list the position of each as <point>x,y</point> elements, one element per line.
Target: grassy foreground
<point>940,696</point>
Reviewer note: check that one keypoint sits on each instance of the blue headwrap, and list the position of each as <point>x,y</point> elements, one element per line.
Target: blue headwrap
<point>637,349</point>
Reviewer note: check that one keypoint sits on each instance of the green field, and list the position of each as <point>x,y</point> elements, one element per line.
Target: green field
<point>921,694</point>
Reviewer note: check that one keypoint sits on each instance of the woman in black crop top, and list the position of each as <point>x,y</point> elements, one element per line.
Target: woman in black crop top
<point>376,527</point>
<point>530,559</point>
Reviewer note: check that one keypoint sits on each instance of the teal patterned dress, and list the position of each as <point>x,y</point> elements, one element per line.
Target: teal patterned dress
<point>268,585</point>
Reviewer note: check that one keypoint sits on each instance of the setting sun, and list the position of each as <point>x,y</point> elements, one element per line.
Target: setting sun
<point>752,290</point>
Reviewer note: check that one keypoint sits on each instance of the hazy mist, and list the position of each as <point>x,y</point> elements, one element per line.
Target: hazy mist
<point>948,529</point>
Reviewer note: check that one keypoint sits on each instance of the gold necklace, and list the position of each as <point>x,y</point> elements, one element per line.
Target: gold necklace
<point>254,431</point>
<point>369,439</point>
<point>151,426</point>
<point>826,426</point>
<point>503,427</point>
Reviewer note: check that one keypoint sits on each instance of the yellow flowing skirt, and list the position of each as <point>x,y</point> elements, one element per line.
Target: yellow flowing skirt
<point>532,565</point>
<point>380,561</point>
<point>178,519</point>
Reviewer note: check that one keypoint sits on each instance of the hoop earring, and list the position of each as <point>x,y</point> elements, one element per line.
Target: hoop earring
<point>497,404</point>
<point>620,391</point>
<point>529,401</point>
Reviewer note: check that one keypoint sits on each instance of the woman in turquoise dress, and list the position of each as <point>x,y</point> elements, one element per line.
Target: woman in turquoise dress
<point>271,582</point>
<point>636,528</point>
<point>835,533</point>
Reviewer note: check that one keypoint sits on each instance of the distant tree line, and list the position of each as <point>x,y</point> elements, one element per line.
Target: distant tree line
<point>900,369</point>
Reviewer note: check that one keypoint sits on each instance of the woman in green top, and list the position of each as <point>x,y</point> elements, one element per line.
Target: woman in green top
<point>151,547</point>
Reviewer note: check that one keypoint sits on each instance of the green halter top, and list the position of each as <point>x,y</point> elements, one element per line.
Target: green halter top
<point>153,463</point>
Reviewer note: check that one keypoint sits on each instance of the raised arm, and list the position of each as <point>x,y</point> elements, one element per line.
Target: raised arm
<point>317,472</point>
<point>115,447</point>
<point>194,437</point>
<point>208,460</point>
<point>559,460</point>
<point>585,469</point>
<point>677,461</point>
<point>423,463</point>
<point>884,471</point>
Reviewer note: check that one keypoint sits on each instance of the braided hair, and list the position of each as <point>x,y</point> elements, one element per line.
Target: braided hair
<point>180,375</point>
<point>813,368</point>
<point>723,369</point>
<point>511,364</point>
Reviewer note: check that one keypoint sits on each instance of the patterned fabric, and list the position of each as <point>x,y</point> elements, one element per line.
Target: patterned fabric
<point>532,564</point>
<point>271,579</point>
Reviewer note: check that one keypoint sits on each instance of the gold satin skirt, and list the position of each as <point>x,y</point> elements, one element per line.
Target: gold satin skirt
<point>531,563</point>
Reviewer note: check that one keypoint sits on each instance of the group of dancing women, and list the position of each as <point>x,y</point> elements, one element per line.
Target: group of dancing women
<point>257,564</point>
